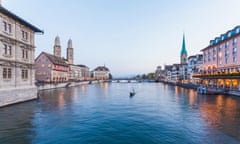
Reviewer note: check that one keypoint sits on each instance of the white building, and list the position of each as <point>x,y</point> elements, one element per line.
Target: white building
<point>101,73</point>
<point>194,66</point>
<point>179,73</point>
<point>17,47</point>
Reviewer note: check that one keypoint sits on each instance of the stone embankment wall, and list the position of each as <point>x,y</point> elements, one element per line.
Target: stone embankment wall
<point>9,96</point>
<point>21,94</point>
<point>62,85</point>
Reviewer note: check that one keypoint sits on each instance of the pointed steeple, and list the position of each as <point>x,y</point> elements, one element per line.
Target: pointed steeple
<point>183,56</point>
<point>183,51</point>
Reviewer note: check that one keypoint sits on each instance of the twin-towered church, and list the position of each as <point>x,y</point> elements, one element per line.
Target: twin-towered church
<point>55,68</point>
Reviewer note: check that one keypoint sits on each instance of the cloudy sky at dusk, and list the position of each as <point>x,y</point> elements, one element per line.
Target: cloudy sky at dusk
<point>128,36</point>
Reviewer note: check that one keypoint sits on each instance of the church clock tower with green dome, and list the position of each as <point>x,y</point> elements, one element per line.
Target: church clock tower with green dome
<point>183,52</point>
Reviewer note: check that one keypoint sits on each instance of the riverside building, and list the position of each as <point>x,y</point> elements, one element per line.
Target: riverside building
<point>52,68</point>
<point>101,73</point>
<point>56,69</point>
<point>17,48</point>
<point>194,66</point>
<point>221,61</point>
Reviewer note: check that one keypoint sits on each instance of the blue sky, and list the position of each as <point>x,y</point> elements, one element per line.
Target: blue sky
<point>128,36</point>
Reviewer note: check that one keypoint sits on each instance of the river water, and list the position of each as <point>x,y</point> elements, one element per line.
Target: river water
<point>105,114</point>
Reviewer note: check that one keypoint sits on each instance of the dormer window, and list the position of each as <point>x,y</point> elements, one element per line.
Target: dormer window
<point>237,30</point>
<point>229,34</point>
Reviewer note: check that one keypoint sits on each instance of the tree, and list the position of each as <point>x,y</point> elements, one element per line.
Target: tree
<point>110,76</point>
<point>151,75</point>
<point>144,76</point>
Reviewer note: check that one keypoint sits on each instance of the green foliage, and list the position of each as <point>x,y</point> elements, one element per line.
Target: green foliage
<point>151,75</point>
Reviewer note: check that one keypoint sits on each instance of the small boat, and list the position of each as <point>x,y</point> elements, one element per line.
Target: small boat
<point>132,93</point>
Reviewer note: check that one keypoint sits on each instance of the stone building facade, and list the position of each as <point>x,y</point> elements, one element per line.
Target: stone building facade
<point>17,48</point>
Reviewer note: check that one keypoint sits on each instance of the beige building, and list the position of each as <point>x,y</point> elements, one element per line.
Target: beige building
<point>17,48</point>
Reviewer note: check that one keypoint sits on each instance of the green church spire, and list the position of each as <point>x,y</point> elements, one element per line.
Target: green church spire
<point>183,51</point>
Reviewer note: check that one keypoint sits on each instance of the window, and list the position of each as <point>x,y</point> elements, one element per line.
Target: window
<point>214,57</point>
<point>226,45</point>
<point>209,58</point>
<point>24,53</point>
<point>220,48</point>
<point>234,59</point>
<point>24,35</point>
<point>7,27</point>
<point>226,53</point>
<point>238,30</point>
<point>7,50</point>
<point>24,74</point>
<point>234,42</point>
<point>226,60</point>
<point>214,50</point>
<point>234,51</point>
<point>7,73</point>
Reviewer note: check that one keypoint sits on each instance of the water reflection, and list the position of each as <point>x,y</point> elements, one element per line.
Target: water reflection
<point>220,112</point>
<point>104,112</point>
<point>16,124</point>
<point>223,113</point>
<point>58,99</point>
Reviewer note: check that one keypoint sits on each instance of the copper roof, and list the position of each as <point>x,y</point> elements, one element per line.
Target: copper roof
<point>101,68</point>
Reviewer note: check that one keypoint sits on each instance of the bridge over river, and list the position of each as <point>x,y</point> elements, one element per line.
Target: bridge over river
<point>126,80</point>
<point>130,80</point>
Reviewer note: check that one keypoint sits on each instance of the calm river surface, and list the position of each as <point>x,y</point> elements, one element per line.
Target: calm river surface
<point>104,114</point>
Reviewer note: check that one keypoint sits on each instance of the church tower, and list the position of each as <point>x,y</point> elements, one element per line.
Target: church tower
<point>70,52</point>
<point>183,52</point>
<point>57,47</point>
